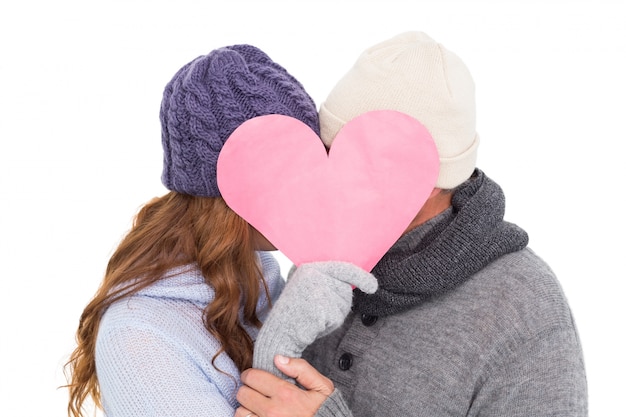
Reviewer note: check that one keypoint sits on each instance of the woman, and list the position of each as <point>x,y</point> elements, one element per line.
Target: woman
<point>173,323</point>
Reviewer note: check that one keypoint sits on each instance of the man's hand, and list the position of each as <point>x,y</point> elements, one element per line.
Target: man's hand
<point>266,395</point>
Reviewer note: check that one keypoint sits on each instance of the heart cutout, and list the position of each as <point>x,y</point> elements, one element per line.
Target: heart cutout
<point>350,204</point>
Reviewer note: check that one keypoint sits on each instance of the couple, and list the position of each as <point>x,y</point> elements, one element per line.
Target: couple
<point>466,320</point>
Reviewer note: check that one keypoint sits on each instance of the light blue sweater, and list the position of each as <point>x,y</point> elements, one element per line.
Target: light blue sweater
<point>153,354</point>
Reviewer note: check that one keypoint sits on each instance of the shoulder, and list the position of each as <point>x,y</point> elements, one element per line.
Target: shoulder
<point>524,267</point>
<point>514,299</point>
<point>160,315</point>
<point>518,290</point>
<point>143,340</point>
<point>168,334</point>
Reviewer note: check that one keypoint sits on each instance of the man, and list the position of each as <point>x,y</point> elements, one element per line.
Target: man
<point>466,320</point>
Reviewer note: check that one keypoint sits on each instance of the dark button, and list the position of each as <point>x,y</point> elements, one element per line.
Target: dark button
<point>345,361</point>
<point>368,320</point>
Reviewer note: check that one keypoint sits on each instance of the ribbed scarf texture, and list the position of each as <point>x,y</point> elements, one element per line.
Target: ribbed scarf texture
<point>443,253</point>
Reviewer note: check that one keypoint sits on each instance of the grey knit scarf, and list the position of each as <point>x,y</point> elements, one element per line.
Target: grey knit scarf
<point>437,256</point>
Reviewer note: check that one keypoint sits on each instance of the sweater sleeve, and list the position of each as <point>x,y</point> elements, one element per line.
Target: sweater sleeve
<point>315,301</point>
<point>143,372</point>
<point>334,406</point>
<point>543,377</point>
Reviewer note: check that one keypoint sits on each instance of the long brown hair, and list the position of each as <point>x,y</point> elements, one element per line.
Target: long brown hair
<point>171,231</point>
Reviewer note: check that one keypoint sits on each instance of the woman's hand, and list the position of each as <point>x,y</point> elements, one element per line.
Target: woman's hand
<point>266,395</point>
<point>315,302</point>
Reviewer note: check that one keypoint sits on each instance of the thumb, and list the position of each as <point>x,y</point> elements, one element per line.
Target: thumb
<point>305,374</point>
<point>350,273</point>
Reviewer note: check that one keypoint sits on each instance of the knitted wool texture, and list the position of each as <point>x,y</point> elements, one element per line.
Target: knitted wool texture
<point>450,254</point>
<point>413,74</point>
<point>315,302</point>
<point>433,341</point>
<point>154,357</point>
<point>208,98</point>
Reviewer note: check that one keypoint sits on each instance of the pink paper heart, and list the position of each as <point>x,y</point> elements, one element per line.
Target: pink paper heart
<point>350,204</point>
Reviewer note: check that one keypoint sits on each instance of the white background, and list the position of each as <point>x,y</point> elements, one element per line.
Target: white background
<point>81,84</point>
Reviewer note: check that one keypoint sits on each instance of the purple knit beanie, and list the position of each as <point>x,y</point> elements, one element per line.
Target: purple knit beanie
<point>209,98</point>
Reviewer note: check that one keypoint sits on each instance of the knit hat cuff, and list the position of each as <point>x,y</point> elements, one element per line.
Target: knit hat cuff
<point>456,170</point>
<point>453,171</point>
<point>331,127</point>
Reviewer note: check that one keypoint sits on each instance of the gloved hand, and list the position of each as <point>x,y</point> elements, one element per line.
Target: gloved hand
<point>316,300</point>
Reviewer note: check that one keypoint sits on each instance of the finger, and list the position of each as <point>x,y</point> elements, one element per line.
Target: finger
<point>306,375</point>
<point>261,381</point>
<point>243,412</point>
<point>349,273</point>
<point>358,277</point>
<point>250,401</point>
<point>366,283</point>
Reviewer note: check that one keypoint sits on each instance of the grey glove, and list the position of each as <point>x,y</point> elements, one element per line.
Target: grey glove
<point>315,301</point>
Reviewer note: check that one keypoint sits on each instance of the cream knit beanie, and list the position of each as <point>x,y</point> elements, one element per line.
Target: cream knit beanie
<point>413,74</point>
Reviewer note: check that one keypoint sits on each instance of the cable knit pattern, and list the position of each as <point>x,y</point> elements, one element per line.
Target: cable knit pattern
<point>153,354</point>
<point>209,98</point>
